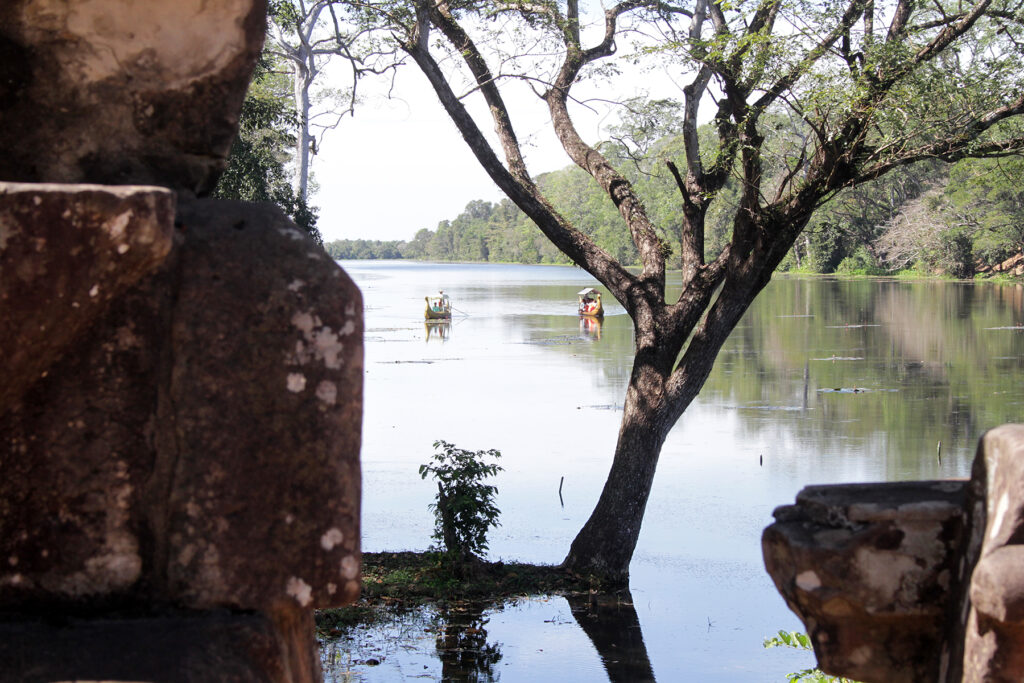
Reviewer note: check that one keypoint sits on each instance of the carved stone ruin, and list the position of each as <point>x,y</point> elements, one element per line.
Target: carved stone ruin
<point>181,402</point>
<point>917,581</point>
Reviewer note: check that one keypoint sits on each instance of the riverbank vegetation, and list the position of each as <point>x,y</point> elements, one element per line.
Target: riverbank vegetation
<point>962,221</point>
<point>812,104</point>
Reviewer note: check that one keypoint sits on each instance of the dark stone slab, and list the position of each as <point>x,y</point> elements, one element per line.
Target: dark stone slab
<point>65,252</point>
<point>200,447</point>
<point>124,93</point>
<point>267,393</point>
<point>174,648</point>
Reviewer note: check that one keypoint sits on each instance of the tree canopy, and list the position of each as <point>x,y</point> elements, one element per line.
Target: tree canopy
<point>806,99</point>
<point>257,169</point>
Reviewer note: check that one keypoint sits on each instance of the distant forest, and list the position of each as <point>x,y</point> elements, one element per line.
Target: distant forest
<point>958,220</point>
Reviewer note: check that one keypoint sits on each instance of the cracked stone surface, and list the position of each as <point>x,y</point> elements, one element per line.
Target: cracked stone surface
<point>120,93</point>
<point>912,581</point>
<point>173,457</point>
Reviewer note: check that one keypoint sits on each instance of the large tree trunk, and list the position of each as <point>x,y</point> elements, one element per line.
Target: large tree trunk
<point>604,546</point>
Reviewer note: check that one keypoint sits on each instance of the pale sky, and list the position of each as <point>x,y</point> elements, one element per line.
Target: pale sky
<point>400,165</point>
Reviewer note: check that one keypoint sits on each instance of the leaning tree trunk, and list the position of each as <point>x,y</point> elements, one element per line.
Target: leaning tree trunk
<point>604,546</point>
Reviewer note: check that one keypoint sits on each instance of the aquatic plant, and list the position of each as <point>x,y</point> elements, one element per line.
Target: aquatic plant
<point>801,641</point>
<point>464,509</point>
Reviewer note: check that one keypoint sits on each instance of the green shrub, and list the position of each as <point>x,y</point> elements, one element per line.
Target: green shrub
<point>860,263</point>
<point>801,641</point>
<point>464,510</point>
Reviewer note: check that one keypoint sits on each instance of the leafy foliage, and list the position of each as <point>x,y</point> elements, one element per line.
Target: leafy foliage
<point>257,168</point>
<point>464,510</point>
<point>924,216</point>
<point>364,249</point>
<point>801,641</point>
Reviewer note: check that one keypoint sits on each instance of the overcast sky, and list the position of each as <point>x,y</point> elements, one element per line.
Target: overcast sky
<point>400,165</point>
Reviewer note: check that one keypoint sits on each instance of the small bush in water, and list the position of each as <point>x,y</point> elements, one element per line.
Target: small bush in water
<point>464,510</point>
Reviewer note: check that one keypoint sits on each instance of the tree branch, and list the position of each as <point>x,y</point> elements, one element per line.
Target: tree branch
<point>589,159</point>
<point>572,242</point>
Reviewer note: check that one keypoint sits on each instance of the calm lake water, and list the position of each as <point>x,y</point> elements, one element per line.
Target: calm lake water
<point>827,381</point>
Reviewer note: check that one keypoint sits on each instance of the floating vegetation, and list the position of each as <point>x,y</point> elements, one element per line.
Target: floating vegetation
<point>855,390</point>
<point>562,340</point>
<point>1009,327</point>
<point>770,407</point>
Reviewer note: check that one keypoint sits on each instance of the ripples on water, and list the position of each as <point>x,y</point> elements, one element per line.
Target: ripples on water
<point>824,381</point>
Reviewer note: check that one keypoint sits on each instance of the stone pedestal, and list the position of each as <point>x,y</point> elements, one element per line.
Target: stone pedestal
<point>181,401</point>
<point>166,648</point>
<point>918,581</point>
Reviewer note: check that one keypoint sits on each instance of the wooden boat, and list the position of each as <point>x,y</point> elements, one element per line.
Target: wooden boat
<point>439,307</point>
<point>590,303</point>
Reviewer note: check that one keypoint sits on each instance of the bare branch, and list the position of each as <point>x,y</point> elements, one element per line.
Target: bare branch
<point>573,243</point>
<point>485,81</point>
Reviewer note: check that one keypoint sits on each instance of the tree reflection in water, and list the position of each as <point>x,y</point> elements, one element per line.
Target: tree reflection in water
<point>399,640</point>
<point>611,623</point>
<point>462,645</point>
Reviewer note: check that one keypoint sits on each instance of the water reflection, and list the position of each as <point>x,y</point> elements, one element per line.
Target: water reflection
<point>466,642</point>
<point>438,330</point>
<point>590,327</point>
<point>611,623</point>
<point>915,363</point>
<point>462,645</point>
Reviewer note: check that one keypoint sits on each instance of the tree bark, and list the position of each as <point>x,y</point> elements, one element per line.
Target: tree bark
<point>302,106</point>
<point>605,544</point>
<point>714,294</point>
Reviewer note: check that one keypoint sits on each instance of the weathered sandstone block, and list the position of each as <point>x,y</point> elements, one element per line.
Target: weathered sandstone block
<point>919,581</point>
<point>65,252</point>
<point>267,392</point>
<point>869,569</point>
<point>200,446</point>
<point>119,92</point>
<point>993,631</point>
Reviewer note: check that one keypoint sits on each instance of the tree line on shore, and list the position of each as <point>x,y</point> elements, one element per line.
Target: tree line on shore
<point>957,220</point>
<point>830,127</point>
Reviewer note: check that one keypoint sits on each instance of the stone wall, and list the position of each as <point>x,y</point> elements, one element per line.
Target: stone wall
<point>916,581</point>
<point>180,417</point>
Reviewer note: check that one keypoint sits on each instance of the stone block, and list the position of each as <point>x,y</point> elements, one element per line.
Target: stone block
<point>65,252</point>
<point>993,631</point>
<point>115,92</point>
<point>200,447</point>
<point>869,570</point>
<point>267,388</point>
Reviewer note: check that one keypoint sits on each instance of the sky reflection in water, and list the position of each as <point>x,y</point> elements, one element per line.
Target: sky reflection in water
<point>825,381</point>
